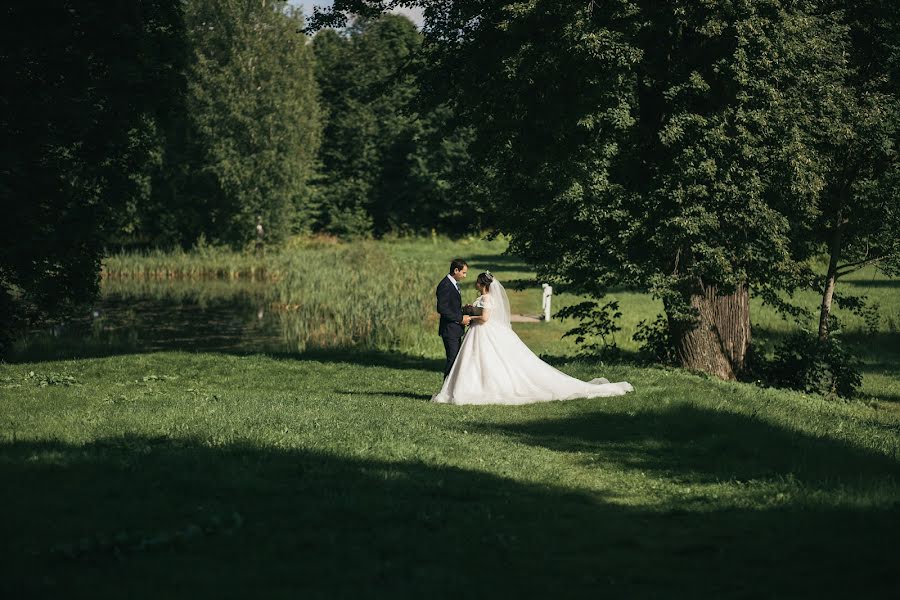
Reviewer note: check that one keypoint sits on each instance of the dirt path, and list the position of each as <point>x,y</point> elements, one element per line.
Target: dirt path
<point>524,319</point>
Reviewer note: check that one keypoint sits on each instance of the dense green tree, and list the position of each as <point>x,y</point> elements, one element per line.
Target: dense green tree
<point>253,118</point>
<point>85,82</point>
<point>386,160</point>
<point>248,131</point>
<point>347,155</point>
<point>663,146</point>
<point>858,217</point>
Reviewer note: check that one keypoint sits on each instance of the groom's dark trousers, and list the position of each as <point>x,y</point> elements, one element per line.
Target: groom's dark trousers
<point>450,328</point>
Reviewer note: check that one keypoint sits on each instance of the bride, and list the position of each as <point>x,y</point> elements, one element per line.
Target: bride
<point>495,367</point>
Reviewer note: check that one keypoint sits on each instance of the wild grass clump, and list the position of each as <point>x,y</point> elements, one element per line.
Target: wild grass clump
<point>202,262</point>
<point>351,296</point>
<point>179,291</point>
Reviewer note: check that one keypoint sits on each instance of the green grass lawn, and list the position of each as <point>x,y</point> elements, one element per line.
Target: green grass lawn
<point>329,474</point>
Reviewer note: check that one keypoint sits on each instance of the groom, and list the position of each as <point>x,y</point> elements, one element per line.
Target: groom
<point>449,305</point>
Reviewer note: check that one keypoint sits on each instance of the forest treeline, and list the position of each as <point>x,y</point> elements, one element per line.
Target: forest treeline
<point>305,134</point>
<point>159,124</point>
<point>193,120</point>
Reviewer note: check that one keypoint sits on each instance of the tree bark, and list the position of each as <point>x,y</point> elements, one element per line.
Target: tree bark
<point>834,250</point>
<point>717,342</point>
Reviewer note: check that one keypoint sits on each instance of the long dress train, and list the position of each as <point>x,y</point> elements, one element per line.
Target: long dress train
<point>494,366</point>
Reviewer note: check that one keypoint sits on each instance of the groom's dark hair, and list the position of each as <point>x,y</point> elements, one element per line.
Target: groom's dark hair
<point>457,264</point>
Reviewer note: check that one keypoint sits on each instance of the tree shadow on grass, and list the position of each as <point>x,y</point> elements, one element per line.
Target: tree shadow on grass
<point>357,356</point>
<point>497,262</point>
<point>320,525</point>
<point>872,283</point>
<point>880,397</point>
<point>881,348</point>
<point>388,394</point>
<point>704,446</point>
<point>367,358</point>
<point>875,344</point>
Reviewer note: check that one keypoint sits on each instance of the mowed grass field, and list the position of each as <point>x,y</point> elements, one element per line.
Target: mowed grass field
<point>327,472</point>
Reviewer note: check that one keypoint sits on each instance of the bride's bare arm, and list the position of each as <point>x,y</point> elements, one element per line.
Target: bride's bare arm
<point>485,312</point>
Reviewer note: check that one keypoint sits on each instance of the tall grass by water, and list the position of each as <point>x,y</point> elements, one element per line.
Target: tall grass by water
<point>202,262</point>
<point>325,295</point>
<point>352,296</point>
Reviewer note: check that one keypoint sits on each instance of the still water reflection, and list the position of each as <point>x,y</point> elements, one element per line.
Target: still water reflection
<point>145,316</point>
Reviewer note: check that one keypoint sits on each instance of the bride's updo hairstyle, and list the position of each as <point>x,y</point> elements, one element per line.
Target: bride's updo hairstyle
<point>485,280</point>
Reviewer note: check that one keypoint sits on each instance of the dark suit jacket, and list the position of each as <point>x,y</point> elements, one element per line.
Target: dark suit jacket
<point>449,305</point>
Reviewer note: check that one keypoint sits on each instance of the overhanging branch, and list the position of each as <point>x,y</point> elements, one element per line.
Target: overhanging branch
<point>859,264</point>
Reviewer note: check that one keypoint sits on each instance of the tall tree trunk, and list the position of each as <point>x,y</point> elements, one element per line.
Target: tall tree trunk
<point>717,342</point>
<point>834,250</point>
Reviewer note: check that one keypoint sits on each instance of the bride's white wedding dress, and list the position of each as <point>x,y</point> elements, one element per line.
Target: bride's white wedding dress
<point>495,367</point>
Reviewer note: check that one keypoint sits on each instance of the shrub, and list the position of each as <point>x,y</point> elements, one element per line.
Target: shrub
<point>803,362</point>
<point>656,344</point>
<point>595,333</point>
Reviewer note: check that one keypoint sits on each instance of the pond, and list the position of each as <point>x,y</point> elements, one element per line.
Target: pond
<point>301,311</point>
<point>152,315</point>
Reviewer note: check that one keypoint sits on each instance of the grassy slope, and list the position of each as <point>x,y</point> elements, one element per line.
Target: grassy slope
<point>346,478</point>
<point>348,482</point>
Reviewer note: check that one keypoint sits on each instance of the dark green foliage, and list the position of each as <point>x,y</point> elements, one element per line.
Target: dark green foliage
<point>387,162</point>
<point>85,83</point>
<point>646,144</point>
<point>153,124</point>
<point>368,81</point>
<point>860,142</point>
<point>857,214</point>
<point>656,344</point>
<point>597,328</point>
<point>250,130</point>
<point>241,139</point>
<point>803,362</point>
<point>673,147</point>
<point>664,170</point>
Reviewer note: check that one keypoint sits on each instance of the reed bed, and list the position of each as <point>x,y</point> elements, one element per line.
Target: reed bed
<point>182,290</point>
<point>352,296</point>
<point>203,262</point>
<point>325,296</point>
